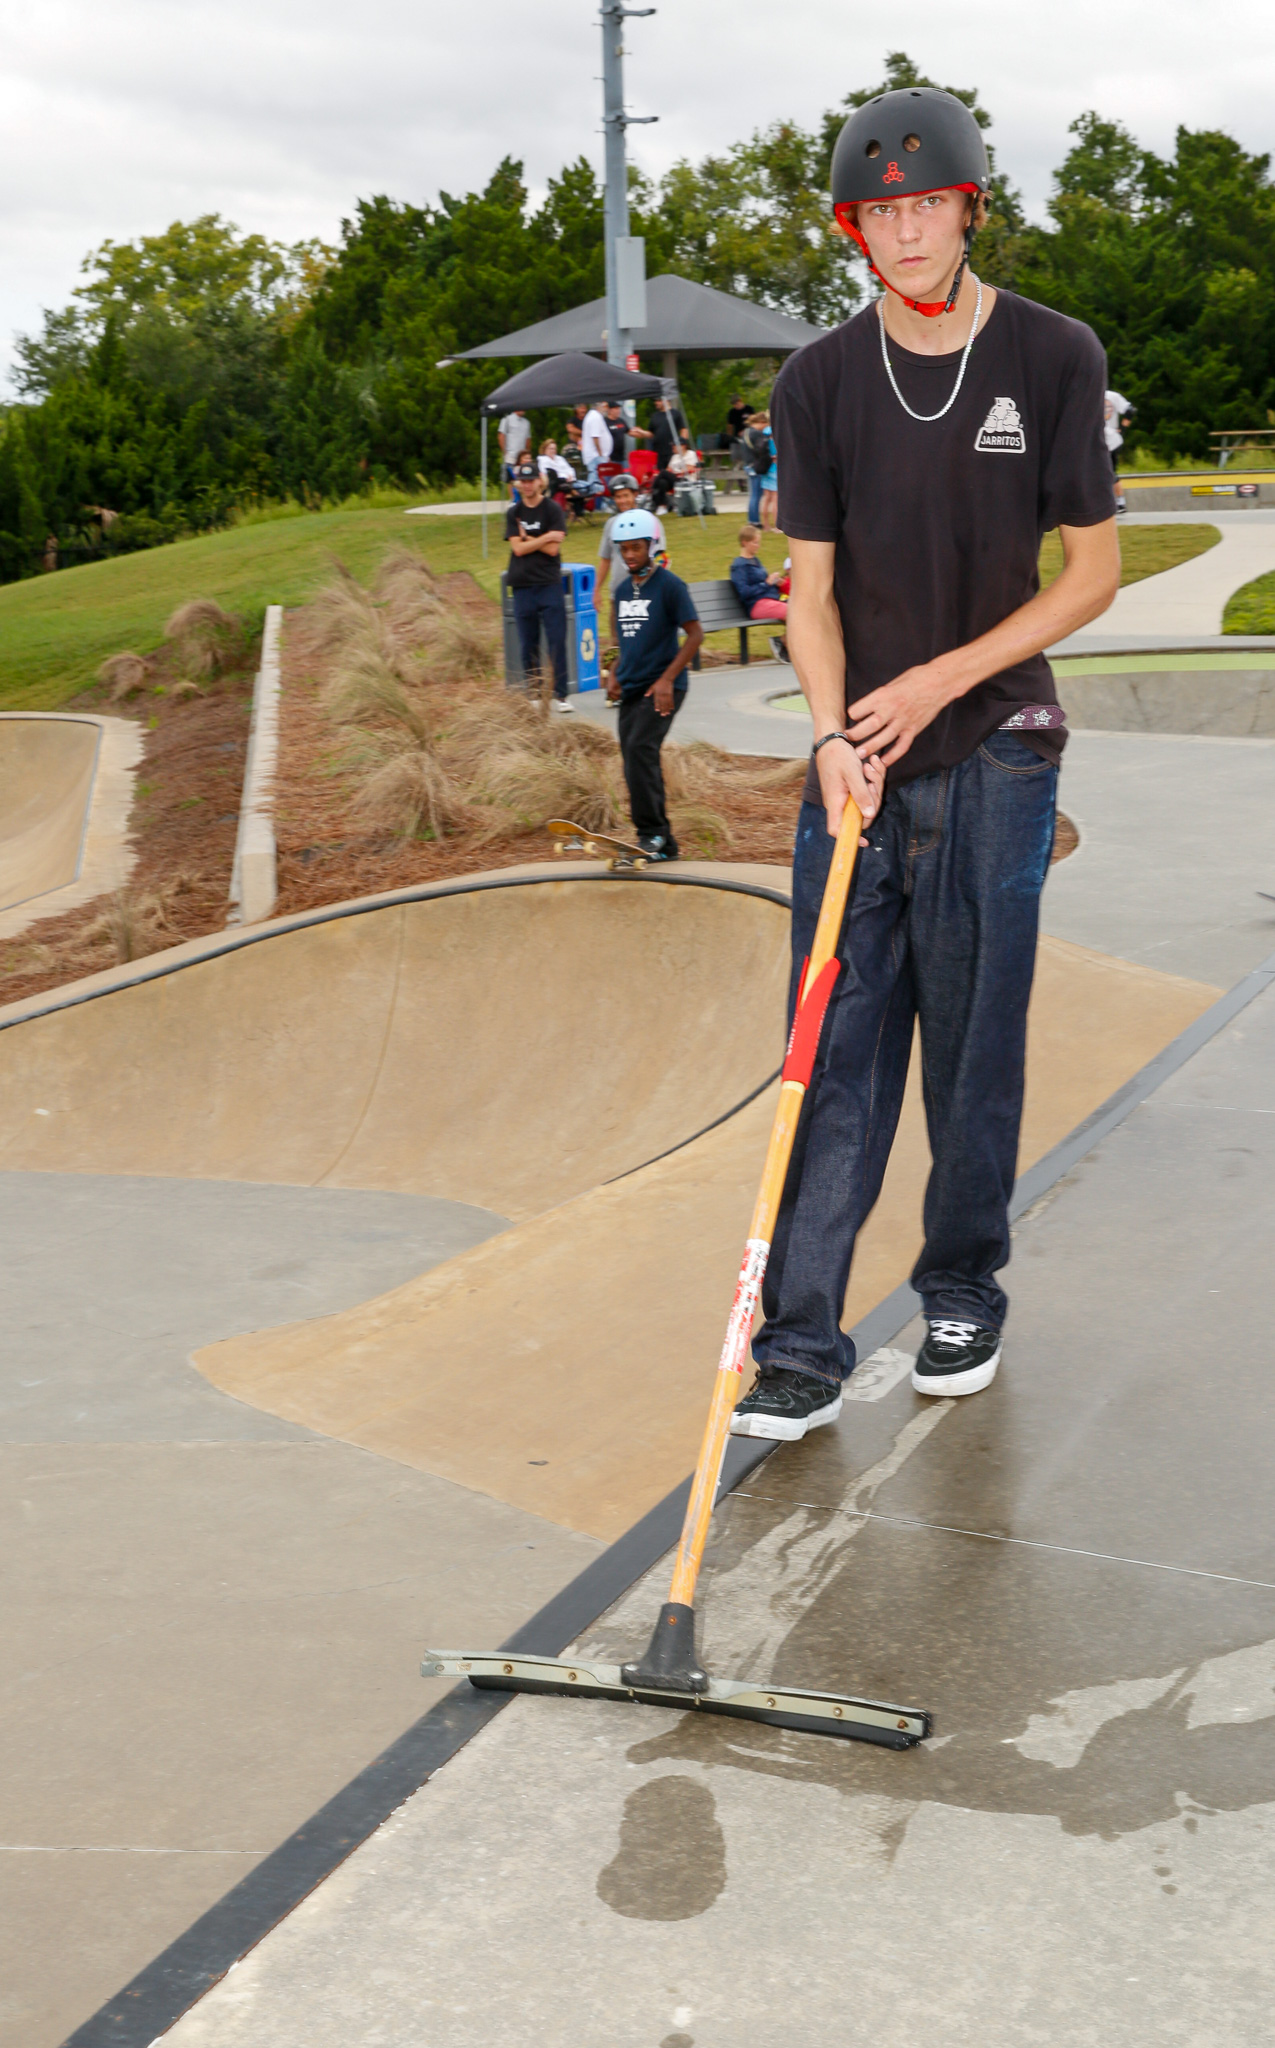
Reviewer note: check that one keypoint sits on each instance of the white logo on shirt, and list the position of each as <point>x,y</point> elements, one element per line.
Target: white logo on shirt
<point>1002,431</point>
<point>632,613</point>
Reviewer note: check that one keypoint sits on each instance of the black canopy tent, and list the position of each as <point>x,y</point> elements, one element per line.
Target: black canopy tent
<point>568,379</point>
<point>682,319</point>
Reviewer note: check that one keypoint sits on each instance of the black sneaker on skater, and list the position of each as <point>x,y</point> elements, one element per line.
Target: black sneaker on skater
<point>656,847</point>
<point>956,1358</point>
<point>784,1405</point>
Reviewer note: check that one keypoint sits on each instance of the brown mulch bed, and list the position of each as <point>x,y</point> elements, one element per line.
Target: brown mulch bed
<point>185,816</point>
<point>186,813</point>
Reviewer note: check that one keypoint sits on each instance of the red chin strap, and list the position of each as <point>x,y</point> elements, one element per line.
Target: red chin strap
<point>930,307</point>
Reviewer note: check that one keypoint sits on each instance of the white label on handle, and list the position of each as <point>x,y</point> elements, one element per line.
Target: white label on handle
<point>744,1307</point>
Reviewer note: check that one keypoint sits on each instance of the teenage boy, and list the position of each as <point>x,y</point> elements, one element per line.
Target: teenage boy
<point>624,491</point>
<point>756,590</point>
<point>650,604</point>
<point>534,530</point>
<point>925,446</point>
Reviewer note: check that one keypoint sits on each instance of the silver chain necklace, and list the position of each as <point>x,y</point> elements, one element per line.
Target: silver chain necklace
<point>925,417</point>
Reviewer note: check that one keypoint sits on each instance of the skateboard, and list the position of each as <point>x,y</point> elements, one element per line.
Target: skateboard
<point>617,853</point>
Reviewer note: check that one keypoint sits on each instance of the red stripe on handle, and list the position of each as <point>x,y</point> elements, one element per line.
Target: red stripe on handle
<point>807,1025</point>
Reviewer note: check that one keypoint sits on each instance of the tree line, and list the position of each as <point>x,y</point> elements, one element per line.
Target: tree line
<point>202,369</point>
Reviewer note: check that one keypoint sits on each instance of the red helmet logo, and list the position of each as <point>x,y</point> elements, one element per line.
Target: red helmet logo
<point>894,176</point>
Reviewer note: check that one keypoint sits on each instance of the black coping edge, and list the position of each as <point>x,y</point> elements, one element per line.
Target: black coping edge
<point>179,1976</point>
<point>365,906</point>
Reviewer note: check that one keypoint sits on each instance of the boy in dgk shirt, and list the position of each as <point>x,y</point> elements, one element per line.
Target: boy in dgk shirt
<point>650,604</point>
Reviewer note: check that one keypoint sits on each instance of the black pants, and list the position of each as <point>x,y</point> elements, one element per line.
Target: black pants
<point>542,605</point>
<point>642,732</point>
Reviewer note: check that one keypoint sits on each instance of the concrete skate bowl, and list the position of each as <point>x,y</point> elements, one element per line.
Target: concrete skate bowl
<point>508,1046</point>
<point>585,1057</point>
<point>46,785</point>
<point>1211,693</point>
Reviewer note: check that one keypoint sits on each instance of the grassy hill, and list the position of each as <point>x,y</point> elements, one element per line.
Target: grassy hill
<point>56,629</point>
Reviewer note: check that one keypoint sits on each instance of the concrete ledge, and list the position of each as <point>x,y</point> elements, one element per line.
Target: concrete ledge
<point>104,858</point>
<point>254,884</point>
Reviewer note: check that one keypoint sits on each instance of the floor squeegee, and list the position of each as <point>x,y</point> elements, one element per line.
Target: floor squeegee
<point>669,1674</point>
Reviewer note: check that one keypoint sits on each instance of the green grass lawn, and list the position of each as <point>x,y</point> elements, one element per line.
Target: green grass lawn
<point>56,630</point>
<point>1252,608</point>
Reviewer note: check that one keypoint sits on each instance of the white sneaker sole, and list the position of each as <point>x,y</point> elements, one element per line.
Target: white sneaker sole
<point>777,1430</point>
<point>971,1382</point>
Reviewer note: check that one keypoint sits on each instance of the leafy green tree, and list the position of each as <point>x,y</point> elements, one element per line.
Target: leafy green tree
<point>756,222</point>
<point>1171,262</point>
<point>23,525</point>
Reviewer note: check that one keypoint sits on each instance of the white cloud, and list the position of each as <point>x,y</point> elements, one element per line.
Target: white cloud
<point>115,120</point>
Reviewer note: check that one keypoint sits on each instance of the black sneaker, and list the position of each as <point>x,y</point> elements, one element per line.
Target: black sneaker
<point>784,1405</point>
<point>779,648</point>
<point>956,1358</point>
<point>658,848</point>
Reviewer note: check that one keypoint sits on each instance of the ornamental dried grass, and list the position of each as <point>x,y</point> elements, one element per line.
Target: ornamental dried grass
<point>204,639</point>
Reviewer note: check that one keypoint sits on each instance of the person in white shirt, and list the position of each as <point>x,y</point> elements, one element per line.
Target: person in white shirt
<point>554,468</point>
<point>595,442</point>
<point>514,435</point>
<point>1115,411</point>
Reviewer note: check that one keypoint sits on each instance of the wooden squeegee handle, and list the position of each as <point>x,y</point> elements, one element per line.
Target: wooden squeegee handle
<point>816,988</point>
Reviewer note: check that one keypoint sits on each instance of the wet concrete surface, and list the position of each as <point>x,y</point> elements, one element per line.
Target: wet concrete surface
<point>1074,1571</point>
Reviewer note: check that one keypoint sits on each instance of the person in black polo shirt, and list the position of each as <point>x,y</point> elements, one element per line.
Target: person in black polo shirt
<point>649,604</point>
<point>924,448</point>
<point>534,528</point>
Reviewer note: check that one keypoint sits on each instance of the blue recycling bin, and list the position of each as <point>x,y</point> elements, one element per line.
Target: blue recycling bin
<point>584,661</point>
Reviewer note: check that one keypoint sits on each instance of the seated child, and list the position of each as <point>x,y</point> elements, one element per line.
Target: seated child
<point>753,587</point>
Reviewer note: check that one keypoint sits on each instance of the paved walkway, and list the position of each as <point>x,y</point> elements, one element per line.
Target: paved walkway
<point>1071,1571</point>
<point>1189,600</point>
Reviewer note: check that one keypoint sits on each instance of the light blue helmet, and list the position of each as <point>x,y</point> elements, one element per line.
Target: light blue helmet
<point>634,526</point>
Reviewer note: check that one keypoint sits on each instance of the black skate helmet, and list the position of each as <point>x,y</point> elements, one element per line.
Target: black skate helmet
<point>903,144</point>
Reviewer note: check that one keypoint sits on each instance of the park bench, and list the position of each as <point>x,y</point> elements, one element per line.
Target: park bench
<point>719,607</point>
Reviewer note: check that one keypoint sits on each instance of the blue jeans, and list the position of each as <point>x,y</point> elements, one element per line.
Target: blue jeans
<point>941,927</point>
<point>755,483</point>
<point>542,605</point>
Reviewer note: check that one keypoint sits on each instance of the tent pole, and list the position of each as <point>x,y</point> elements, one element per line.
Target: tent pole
<point>483,488</point>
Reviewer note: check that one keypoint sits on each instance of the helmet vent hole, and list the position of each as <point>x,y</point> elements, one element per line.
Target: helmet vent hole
<point>873,149</point>
<point>911,142</point>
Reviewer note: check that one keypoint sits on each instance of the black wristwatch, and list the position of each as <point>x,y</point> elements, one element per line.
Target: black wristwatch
<point>832,736</point>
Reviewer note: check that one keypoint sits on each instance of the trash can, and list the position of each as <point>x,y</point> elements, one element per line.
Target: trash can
<point>584,665</point>
<point>584,668</point>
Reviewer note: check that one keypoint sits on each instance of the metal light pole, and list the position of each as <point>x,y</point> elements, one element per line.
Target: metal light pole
<point>626,274</point>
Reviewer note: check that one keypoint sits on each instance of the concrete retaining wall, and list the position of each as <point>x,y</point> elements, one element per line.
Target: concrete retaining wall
<point>1217,494</point>
<point>254,885</point>
<point>1236,703</point>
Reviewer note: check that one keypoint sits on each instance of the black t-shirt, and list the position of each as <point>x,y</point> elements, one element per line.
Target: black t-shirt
<point>735,421</point>
<point>665,430</point>
<point>527,571</point>
<point>938,523</point>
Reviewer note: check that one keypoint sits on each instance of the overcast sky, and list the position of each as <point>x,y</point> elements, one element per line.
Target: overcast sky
<point>119,116</point>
